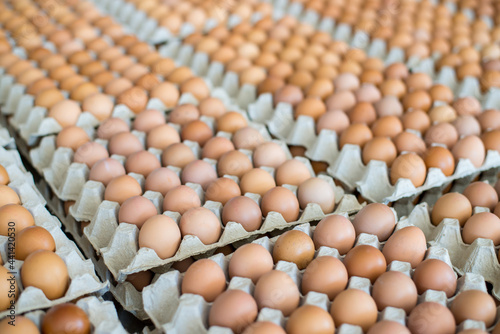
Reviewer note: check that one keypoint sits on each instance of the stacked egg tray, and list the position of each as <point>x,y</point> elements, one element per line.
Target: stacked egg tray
<point>343,163</point>
<point>93,222</point>
<point>84,280</point>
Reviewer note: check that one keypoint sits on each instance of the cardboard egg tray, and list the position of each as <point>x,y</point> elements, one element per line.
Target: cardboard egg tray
<point>102,316</point>
<point>175,313</point>
<point>83,278</point>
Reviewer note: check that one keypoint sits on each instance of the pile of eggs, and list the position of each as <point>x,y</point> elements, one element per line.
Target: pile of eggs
<point>75,60</point>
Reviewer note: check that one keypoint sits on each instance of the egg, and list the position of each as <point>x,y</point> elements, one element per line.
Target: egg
<point>212,107</point>
<point>354,307</point>
<point>242,210</point>
<point>89,153</point>
<point>178,155</point>
<point>365,261</point>
<point>481,194</point>
<point>233,163</point>
<point>256,181</point>
<point>416,120</point>
<point>105,170</point>
<point>395,289</point>
<point>264,327</point>
<point>289,94</point>
<point>48,97</point>
<point>216,146</point>
<point>431,317</point>
<point>13,215</point>
<point>117,87</point>
<point>184,114</point>
<point>386,221</point>
<point>99,105</point>
<point>482,225</point>
<point>148,119</point>
<point>63,316</point>
<point>142,162</point>
<point>121,188</point>
<point>161,180</point>
<point>281,200</point>
<point>231,122</point>
<point>341,100</point>
<point>32,239</point>
<point>309,192</point>
<point>202,223</point>
<point>294,246</point>
<point>4,176</point>
<point>409,166</point>
<point>470,147</point>
<point>234,309</point>
<point>205,278</point>
<point>45,270</point>
<point>356,134</point>
<point>199,171</point>
<point>335,120</point>
<point>379,148</point>
<point>250,261</point>
<point>136,210</point>
<point>363,112</point>
<point>23,325</point>
<point>162,136</point>
<point>72,137</point>
<point>406,245</point>
<point>325,274</point>
<point>310,106</point>
<point>335,231</point>
<point>134,98</point>
<point>292,172</point>
<point>160,233</point>
<point>311,319</point>
<point>181,199</point>
<point>279,284</point>
<point>440,157</point>
<point>436,275</point>
<point>474,305</point>
<point>197,131</point>
<point>451,205</point>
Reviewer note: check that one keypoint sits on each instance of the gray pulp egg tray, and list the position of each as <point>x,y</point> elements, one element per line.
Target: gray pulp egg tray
<point>102,316</point>
<point>173,312</point>
<point>83,278</point>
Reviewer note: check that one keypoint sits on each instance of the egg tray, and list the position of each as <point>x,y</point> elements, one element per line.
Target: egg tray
<point>102,316</point>
<point>6,141</point>
<point>55,162</point>
<point>81,271</point>
<point>175,313</point>
<point>117,242</point>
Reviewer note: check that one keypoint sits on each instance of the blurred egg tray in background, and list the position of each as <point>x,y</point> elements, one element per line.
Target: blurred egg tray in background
<point>254,166</point>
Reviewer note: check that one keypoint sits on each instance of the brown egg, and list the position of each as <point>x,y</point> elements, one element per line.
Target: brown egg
<point>380,148</point>
<point>106,169</point>
<point>451,205</point>
<point>474,305</point>
<point>161,180</point>
<point>65,112</point>
<point>179,75</point>
<point>136,210</point>
<point>135,98</point>
<point>442,93</point>
<point>251,261</point>
<point>491,140</point>
<point>162,136</point>
<point>231,122</point>
<point>482,225</point>
<point>72,137</point>
<point>40,85</point>
<point>440,157</point>
<point>355,307</point>
<point>48,97</point>
<point>89,153</point>
<point>202,223</point>
<point>234,309</point>
<point>294,246</point>
<point>269,154</point>
<point>256,181</point>
<point>310,106</point>
<point>11,212</point>
<point>467,106</point>
<point>335,232</point>
<point>148,120</point>
<point>111,127</point>
<point>99,105</point>
<point>310,319</point>
<point>234,163</point>
<point>470,147</point>
<point>408,166</point>
<point>365,261</point>
<point>121,188</point>
<point>289,94</point>
<point>441,133</point>
<point>363,112</point>
<point>200,172</point>
<point>275,283</point>
<point>325,274</point>
<point>431,317</point>
<point>197,131</point>
<point>181,199</point>
<point>418,99</point>
<point>293,172</point>
<point>387,126</point>
<point>60,317</point>
<point>124,143</point>
<point>489,119</point>
<point>83,90</point>
<point>356,134</point>
<point>184,114</point>
<point>4,176</point>
<point>418,81</point>
<point>29,76</point>
<point>178,155</point>
<point>281,70</point>
<point>45,270</point>
<point>403,295</point>
<point>481,194</point>
<point>281,200</point>
<point>205,278</point>
<point>386,221</point>
<point>242,210</point>
<point>142,162</point>
<point>212,107</point>
<point>222,190</point>
<point>436,275</point>
<point>409,142</point>
<point>23,325</point>
<point>416,120</point>
<point>467,125</point>
<point>316,190</point>
<point>335,120</point>
<point>196,86</point>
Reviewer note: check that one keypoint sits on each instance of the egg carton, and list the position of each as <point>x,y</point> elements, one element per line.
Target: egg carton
<point>188,312</point>
<point>102,316</point>
<point>83,278</point>
<point>6,141</point>
<point>108,235</point>
<point>480,257</point>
